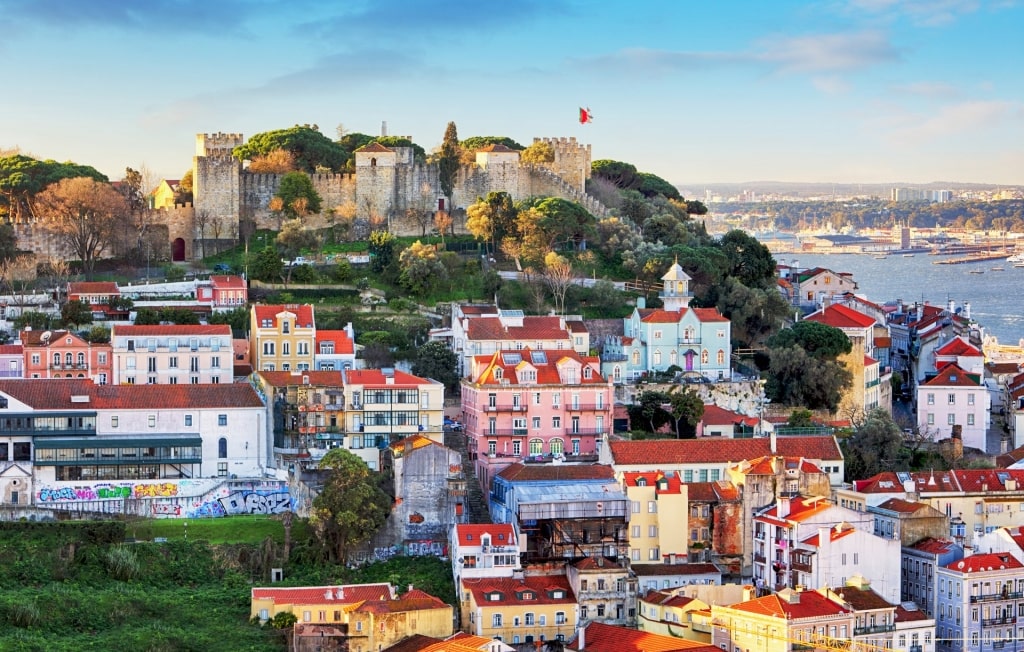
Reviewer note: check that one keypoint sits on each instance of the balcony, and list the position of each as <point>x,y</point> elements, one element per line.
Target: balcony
<point>759,559</point>
<point>583,407</point>
<point>69,367</point>
<point>993,622</point>
<point>689,340</point>
<point>759,535</point>
<point>803,568</point>
<point>586,432</point>
<point>867,630</point>
<point>505,408</point>
<point>991,597</point>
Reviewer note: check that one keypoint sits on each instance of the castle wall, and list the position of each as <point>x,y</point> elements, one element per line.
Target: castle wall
<point>572,161</point>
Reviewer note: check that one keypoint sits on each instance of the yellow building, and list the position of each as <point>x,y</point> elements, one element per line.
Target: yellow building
<point>669,613</point>
<point>281,337</point>
<point>163,195</point>
<point>521,610</point>
<point>658,516</point>
<point>367,617</point>
<point>780,622</point>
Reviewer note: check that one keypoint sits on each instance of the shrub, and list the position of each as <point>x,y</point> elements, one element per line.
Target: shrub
<point>122,563</point>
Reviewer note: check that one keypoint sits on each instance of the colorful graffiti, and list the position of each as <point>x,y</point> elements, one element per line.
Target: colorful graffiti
<point>107,492</point>
<point>243,502</point>
<point>426,548</point>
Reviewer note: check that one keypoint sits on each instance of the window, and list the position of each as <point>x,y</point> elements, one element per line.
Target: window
<point>188,420</point>
<point>113,422</point>
<point>268,348</point>
<point>951,419</point>
<point>222,419</point>
<point>930,399</point>
<point>215,362</point>
<point>517,447</point>
<point>951,399</point>
<point>536,423</point>
<point>302,348</point>
<point>556,423</point>
<point>652,530</point>
<point>559,617</point>
<point>152,421</point>
<point>496,620</point>
<point>222,469</point>
<point>286,348</point>
<point>970,419</point>
<point>172,362</point>
<point>35,359</point>
<point>931,418</point>
<point>536,447</point>
<point>652,506</point>
<point>635,507</point>
<point>652,554</point>
<point>222,447</point>
<point>634,554</point>
<point>528,619</point>
<point>970,399</point>
<point>285,326</point>
<point>635,532</point>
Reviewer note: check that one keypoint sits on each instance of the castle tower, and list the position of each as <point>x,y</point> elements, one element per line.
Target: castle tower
<point>376,180</point>
<point>572,161</point>
<point>215,184</point>
<point>675,289</point>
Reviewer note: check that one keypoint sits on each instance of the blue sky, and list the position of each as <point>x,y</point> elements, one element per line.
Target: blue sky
<point>696,92</point>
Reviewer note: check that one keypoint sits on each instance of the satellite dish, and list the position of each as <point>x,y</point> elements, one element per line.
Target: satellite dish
<point>45,336</point>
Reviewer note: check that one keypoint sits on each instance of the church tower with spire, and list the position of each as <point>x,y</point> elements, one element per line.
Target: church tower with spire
<point>675,289</point>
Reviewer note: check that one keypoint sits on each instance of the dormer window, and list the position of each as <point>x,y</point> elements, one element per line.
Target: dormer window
<point>587,373</point>
<point>494,597</point>
<point>556,594</point>
<point>499,374</point>
<point>641,482</point>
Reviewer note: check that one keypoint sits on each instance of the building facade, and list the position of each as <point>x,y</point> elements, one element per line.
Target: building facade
<point>282,337</point>
<point>171,354</point>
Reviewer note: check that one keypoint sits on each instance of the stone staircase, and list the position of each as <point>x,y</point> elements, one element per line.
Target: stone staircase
<point>476,501</point>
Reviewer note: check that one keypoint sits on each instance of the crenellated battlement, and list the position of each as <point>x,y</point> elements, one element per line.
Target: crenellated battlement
<point>218,144</point>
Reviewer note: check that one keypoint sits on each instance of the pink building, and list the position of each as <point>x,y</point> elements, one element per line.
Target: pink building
<point>223,292</point>
<point>63,354</point>
<point>533,405</point>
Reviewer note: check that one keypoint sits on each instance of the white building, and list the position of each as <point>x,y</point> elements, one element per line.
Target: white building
<point>915,630</point>
<point>955,398</point>
<point>833,555</point>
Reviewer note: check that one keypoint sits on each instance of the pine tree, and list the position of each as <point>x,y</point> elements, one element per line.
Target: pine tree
<point>448,162</point>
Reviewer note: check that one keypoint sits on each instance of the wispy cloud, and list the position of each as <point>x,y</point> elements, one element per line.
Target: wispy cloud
<point>204,16</point>
<point>831,85</point>
<point>823,55</point>
<point>925,13</point>
<point>928,89</point>
<point>955,119</point>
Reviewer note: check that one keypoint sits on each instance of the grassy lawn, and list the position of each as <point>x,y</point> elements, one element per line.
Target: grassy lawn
<point>230,529</point>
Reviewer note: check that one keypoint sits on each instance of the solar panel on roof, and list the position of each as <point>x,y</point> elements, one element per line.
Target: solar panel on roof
<point>512,313</point>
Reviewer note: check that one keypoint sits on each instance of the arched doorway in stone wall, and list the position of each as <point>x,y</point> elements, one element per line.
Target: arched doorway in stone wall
<point>178,250</point>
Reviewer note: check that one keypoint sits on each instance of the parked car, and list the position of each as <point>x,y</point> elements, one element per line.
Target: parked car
<point>451,424</point>
<point>222,267</point>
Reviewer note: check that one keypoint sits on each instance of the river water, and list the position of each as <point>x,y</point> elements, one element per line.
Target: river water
<point>996,297</point>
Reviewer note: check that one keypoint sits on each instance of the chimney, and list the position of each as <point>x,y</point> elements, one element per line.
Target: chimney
<point>773,442</point>
<point>410,588</point>
<point>581,639</point>
<point>966,314</point>
<point>782,509</point>
<point>824,543</point>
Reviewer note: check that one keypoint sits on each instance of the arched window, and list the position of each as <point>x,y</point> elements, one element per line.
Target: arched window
<point>67,359</point>
<point>222,448</point>
<point>672,357</point>
<point>616,373</point>
<point>81,358</point>
<point>373,162</point>
<point>536,447</point>
<point>704,357</point>
<point>721,356</point>
<point>636,357</point>
<point>56,359</point>
<point>557,446</point>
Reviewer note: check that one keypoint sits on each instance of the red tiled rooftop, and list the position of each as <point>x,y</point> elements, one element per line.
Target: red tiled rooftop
<point>539,586</point>
<point>183,330</point>
<point>12,349</point>
<point>289,378</point>
<point>376,378</point>
<point>651,479</point>
<point>56,394</point>
<point>935,546</point>
<point>468,534</point>
<point>958,346</point>
<point>93,287</point>
<point>547,373</point>
<point>839,316</point>
<point>303,314</point>
<point>534,328</point>
<point>985,562</point>
<point>902,506</point>
<point>600,637</point>
<point>675,569</point>
<point>721,450</point>
<point>227,282</point>
<point>374,148</point>
<point>904,615</point>
<point>953,376</point>
<point>811,604</point>
<point>718,416</point>
<point>520,472</point>
<point>342,342</point>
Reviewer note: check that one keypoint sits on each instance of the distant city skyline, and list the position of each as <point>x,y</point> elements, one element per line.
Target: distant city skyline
<point>850,91</point>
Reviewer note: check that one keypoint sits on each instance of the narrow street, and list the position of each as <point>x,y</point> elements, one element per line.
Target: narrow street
<point>476,502</point>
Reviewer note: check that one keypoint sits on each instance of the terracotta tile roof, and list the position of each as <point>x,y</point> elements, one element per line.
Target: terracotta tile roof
<point>839,316</point>
<point>469,309</point>
<point>651,479</point>
<point>811,604</point>
<point>185,330</point>
<point>597,563</point>
<point>343,344</point>
<point>534,328</point>
<point>340,595</point>
<point>35,338</point>
<point>721,450</point>
<point>985,562</point>
<point>375,378</point>
<point>414,643</point>
<point>93,287</point>
<point>576,326</point>
<point>511,590</point>
<point>227,282</point>
<point>925,481</point>
<point>1003,367</point>
<point>702,492</point>
<point>935,546</point>
<point>303,314</point>
<point>862,599</point>
<point>800,508</point>
<point>902,506</point>
<point>414,600</point>
<point>953,376</point>
<point>642,570</point>
<point>512,364</point>
<point>520,472</point>
<point>904,615</point>
<point>868,361</point>
<point>413,442</point>
<point>987,480</point>
<point>374,148</point>
<point>958,346</point>
<point>835,534</point>
<point>726,490</point>
<point>659,316</point>
<point>502,534</point>
<point>600,637</point>
<point>717,416</point>
<point>768,464</point>
<point>883,342</point>
<point>1010,458</point>
<point>289,378</point>
<point>12,349</point>
<point>56,394</point>
<point>707,315</point>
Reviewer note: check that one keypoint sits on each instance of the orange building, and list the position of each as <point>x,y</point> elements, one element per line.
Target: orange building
<point>63,354</point>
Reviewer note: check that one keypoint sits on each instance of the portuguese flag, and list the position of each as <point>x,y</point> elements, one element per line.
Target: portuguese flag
<point>586,116</point>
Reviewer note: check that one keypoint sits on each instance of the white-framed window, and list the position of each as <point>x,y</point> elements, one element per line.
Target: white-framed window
<point>970,399</point>
<point>652,507</point>
<point>951,419</point>
<point>951,399</point>
<point>931,418</point>
<point>970,419</point>
<point>652,554</point>
<point>930,399</point>
<point>536,423</point>
<point>635,532</point>
<point>188,420</point>
<point>113,422</point>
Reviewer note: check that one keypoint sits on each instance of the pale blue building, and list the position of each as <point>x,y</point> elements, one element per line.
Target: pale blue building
<point>696,340</point>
